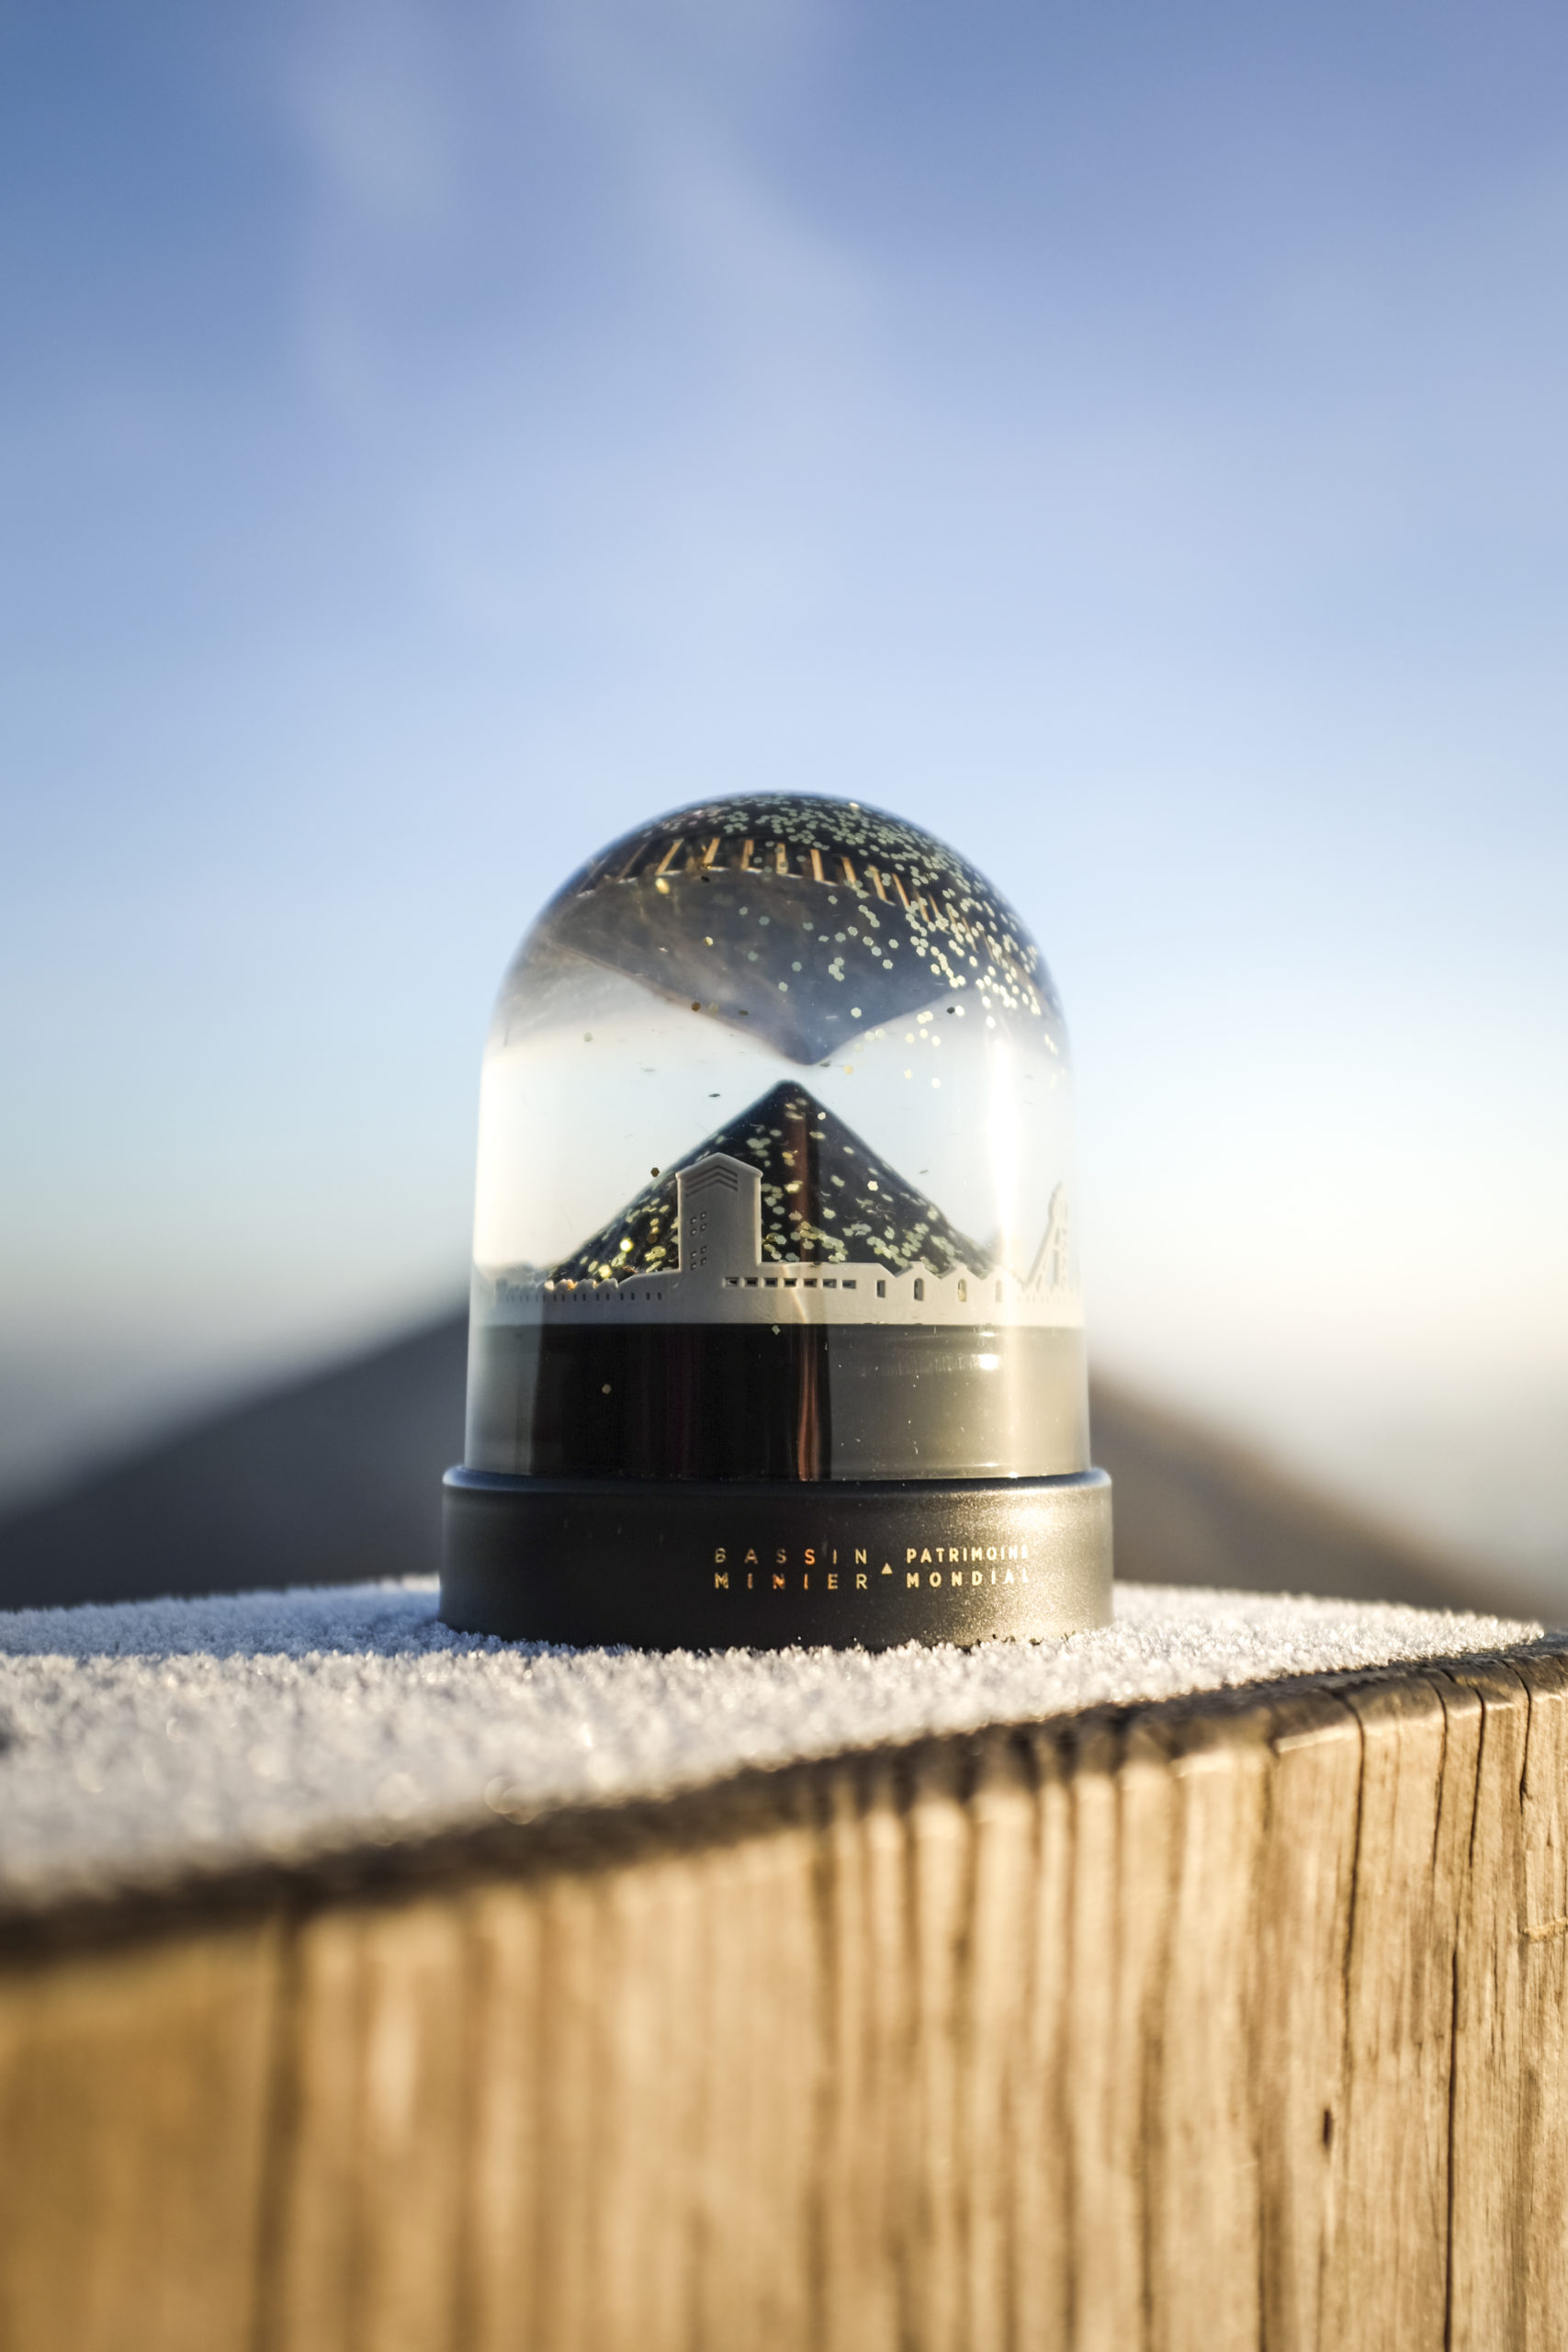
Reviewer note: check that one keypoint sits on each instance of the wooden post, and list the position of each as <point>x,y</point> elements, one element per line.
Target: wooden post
<point>1232,2022</point>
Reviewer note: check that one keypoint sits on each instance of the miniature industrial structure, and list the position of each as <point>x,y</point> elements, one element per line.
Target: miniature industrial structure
<point>722,1276</point>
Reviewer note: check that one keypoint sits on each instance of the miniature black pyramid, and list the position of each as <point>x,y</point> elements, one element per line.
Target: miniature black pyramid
<point>827,1200</point>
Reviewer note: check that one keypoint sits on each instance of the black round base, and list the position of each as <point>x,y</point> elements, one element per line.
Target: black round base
<point>683,1563</point>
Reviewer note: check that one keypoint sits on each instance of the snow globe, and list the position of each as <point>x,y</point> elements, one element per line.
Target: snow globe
<point>776,1333</point>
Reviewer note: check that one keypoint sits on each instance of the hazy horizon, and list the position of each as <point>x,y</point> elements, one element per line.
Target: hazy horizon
<point>433,441</point>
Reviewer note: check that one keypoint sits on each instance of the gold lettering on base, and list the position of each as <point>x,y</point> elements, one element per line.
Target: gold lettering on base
<point>957,1577</point>
<point>1010,1578</point>
<point>913,1577</point>
<point>778,1584</point>
<point>936,1575</point>
<point>718,1557</point>
<point>860,1582</point>
<point>978,1575</point>
<point>832,1583</point>
<point>722,1578</point>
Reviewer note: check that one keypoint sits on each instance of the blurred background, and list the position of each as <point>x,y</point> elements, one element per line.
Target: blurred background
<point>1128,441</point>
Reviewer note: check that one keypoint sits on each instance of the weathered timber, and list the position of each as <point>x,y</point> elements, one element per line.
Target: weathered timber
<point>1234,2022</point>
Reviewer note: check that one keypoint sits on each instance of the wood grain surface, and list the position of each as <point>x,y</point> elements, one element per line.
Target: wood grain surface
<point>1209,2026</point>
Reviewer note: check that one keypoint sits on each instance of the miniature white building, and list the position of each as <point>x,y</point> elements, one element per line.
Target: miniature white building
<point>724,1278</point>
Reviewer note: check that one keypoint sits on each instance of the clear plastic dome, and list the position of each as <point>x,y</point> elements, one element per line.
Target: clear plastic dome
<point>775,1168</point>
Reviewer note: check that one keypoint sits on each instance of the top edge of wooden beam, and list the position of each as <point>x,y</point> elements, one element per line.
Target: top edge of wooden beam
<point>576,1837</point>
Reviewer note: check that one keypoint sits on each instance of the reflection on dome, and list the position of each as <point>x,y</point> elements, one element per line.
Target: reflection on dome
<point>810,919</point>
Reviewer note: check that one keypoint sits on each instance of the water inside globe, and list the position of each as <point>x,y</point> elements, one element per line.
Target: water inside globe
<point>775,1167</point>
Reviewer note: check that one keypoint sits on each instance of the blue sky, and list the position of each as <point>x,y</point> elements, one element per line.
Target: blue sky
<point>1128,441</point>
